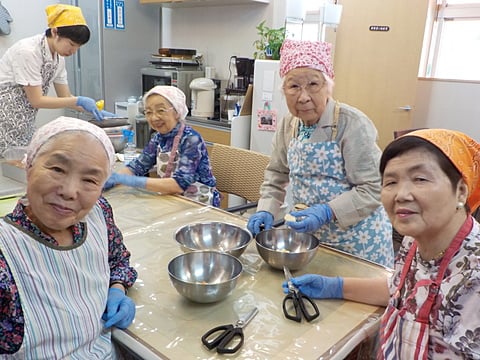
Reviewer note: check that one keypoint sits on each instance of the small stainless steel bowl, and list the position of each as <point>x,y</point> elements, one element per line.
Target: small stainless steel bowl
<point>204,276</point>
<point>218,236</point>
<point>279,247</point>
<point>118,142</point>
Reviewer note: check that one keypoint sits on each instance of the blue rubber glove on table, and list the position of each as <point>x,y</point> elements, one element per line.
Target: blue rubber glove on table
<point>261,218</point>
<point>125,179</point>
<point>311,219</point>
<point>317,286</point>
<point>120,310</point>
<point>89,105</point>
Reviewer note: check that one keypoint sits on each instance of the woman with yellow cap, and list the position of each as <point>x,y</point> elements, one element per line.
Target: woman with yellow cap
<point>31,66</point>
<point>430,186</point>
<point>327,153</point>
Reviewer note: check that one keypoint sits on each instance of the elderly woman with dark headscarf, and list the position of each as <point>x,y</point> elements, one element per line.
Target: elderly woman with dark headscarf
<point>327,153</point>
<point>430,185</point>
<point>63,265</point>
<point>177,151</point>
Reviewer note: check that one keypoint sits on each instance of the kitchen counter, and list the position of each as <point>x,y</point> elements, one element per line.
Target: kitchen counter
<point>222,123</point>
<point>8,185</point>
<point>167,326</point>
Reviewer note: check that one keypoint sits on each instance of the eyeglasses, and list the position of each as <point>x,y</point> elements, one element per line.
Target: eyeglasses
<point>157,112</point>
<point>294,89</point>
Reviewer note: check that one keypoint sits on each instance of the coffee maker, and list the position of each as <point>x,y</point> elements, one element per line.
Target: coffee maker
<point>244,75</point>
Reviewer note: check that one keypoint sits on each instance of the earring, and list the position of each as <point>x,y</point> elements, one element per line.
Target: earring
<point>460,205</point>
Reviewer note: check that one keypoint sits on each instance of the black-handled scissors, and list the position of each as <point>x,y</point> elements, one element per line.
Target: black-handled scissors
<point>228,339</point>
<point>297,304</point>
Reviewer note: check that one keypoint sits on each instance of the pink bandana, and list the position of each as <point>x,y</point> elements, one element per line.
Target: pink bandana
<point>174,95</point>
<point>63,124</point>
<point>310,54</point>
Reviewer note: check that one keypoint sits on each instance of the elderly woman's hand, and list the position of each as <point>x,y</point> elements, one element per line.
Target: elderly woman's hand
<point>120,310</point>
<point>259,219</point>
<point>312,218</point>
<point>318,286</point>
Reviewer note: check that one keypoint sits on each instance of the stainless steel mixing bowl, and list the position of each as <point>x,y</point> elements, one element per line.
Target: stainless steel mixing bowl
<point>218,236</point>
<point>204,276</point>
<point>279,247</point>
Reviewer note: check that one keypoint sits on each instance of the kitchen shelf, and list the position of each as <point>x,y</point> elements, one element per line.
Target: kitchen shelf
<point>200,3</point>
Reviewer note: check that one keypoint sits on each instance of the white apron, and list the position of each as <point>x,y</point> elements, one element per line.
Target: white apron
<point>17,115</point>
<point>317,175</point>
<point>402,338</point>
<point>63,293</point>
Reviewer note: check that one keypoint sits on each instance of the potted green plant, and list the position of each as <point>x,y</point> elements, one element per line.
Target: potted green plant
<point>270,41</point>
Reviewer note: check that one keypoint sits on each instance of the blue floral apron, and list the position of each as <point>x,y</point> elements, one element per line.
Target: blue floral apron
<point>17,115</point>
<point>317,175</point>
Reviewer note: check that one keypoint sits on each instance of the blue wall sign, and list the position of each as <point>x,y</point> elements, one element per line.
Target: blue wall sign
<point>120,14</point>
<point>108,14</point>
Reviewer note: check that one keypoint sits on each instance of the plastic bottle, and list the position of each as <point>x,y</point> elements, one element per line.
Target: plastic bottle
<point>130,150</point>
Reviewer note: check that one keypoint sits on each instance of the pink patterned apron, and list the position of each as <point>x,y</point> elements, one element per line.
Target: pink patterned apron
<point>402,338</point>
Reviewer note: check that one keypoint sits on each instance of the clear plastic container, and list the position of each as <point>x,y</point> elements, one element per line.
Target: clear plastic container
<point>130,149</point>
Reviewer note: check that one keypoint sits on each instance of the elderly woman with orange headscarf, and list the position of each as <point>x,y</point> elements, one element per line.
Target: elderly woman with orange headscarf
<point>30,66</point>
<point>327,153</point>
<point>430,186</point>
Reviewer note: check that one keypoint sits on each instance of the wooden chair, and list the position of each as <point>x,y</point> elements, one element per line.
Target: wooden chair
<point>239,172</point>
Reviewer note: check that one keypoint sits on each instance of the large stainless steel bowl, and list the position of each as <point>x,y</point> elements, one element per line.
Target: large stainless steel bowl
<point>218,236</point>
<point>279,247</point>
<point>204,276</point>
<point>118,142</point>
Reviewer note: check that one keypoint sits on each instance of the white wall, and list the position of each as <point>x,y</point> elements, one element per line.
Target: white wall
<point>219,32</point>
<point>29,18</point>
<point>448,104</point>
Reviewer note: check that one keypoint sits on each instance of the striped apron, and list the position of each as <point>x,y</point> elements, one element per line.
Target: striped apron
<point>402,338</point>
<point>63,293</point>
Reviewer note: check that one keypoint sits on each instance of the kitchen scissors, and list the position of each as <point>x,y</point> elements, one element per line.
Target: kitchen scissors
<point>296,304</point>
<point>228,339</point>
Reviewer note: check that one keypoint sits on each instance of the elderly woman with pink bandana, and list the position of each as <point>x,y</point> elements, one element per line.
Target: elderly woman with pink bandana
<point>327,153</point>
<point>177,151</point>
<point>64,269</point>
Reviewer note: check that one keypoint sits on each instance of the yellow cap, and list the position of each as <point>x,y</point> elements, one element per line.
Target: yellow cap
<point>64,15</point>
<point>100,104</point>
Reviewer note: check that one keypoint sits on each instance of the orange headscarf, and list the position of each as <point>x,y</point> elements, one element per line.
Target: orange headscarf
<point>463,152</point>
<point>64,15</point>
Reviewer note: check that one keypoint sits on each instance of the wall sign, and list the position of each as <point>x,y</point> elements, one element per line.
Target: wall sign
<point>379,28</point>
<point>114,14</point>
<point>120,14</point>
<point>108,15</point>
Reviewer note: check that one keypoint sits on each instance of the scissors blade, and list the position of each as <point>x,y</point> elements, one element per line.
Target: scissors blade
<point>288,277</point>
<point>242,322</point>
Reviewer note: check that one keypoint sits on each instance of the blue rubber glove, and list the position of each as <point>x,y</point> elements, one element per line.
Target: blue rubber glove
<point>318,286</point>
<point>107,114</point>
<point>257,220</point>
<point>89,105</point>
<point>312,218</point>
<point>120,310</point>
<point>125,179</point>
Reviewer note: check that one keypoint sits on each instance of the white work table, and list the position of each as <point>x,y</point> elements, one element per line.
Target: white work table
<point>167,326</point>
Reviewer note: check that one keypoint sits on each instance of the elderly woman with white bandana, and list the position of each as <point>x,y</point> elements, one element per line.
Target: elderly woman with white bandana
<point>176,150</point>
<point>327,152</point>
<point>64,269</point>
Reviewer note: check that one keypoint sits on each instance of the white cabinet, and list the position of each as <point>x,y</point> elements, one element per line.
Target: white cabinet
<point>200,3</point>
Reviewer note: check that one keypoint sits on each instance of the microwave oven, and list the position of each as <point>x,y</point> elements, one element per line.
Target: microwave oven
<point>178,77</point>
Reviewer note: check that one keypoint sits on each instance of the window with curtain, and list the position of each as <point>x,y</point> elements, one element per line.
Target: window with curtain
<point>452,41</point>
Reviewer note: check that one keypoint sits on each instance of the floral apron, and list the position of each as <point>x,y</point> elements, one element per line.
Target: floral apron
<point>167,162</point>
<point>17,115</point>
<point>400,337</point>
<point>317,175</point>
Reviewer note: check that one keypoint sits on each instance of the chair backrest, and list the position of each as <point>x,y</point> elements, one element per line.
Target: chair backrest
<point>238,171</point>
